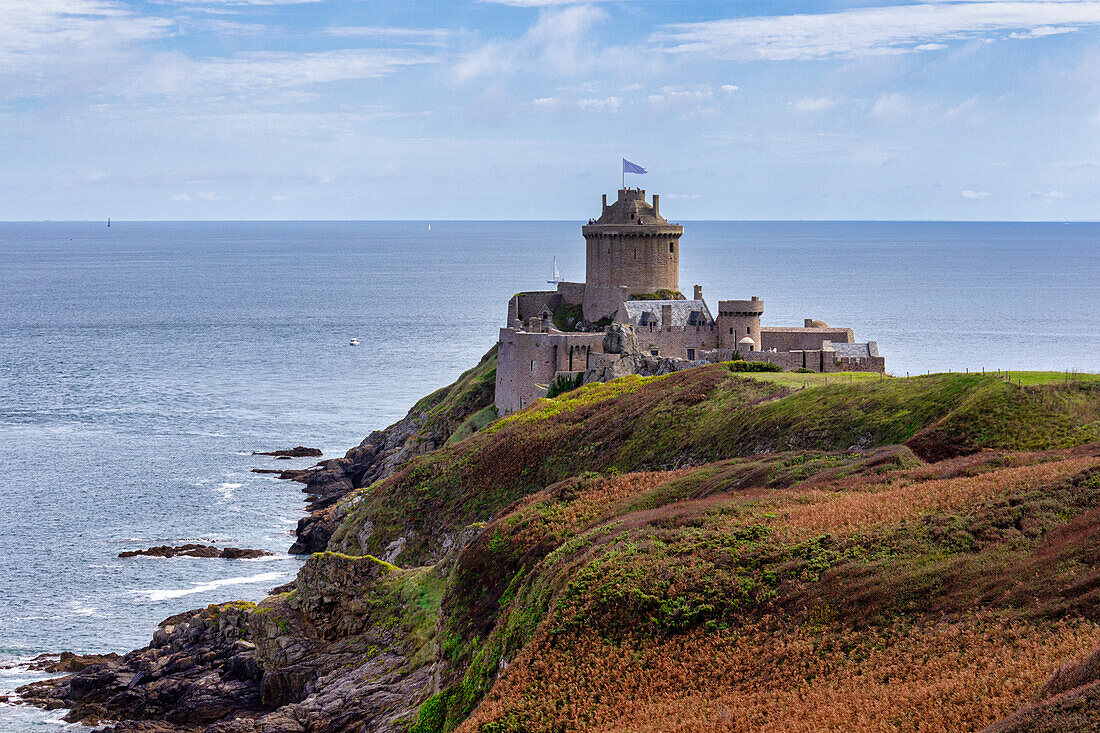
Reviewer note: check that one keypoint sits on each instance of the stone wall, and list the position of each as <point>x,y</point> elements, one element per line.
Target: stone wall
<point>527,362</point>
<point>676,342</point>
<point>803,339</point>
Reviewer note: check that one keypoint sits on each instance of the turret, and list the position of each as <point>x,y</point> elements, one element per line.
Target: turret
<point>631,249</point>
<point>738,320</point>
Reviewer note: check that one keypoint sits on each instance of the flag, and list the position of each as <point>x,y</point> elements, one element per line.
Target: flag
<point>629,167</point>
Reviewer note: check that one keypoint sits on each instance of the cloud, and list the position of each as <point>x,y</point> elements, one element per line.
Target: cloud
<point>181,197</point>
<point>256,73</point>
<point>605,104</point>
<point>245,2</point>
<point>412,36</point>
<point>74,46</point>
<point>681,196</point>
<point>814,104</point>
<point>538,3</point>
<point>874,31</point>
<point>976,195</point>
<point>1048,196</point>
<point>893,107</point>
<point>558,43</point>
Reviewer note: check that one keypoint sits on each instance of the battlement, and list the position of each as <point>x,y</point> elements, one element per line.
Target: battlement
<point>752,307</point>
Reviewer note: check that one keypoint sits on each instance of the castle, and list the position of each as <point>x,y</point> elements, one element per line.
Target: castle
<point>632,287</point>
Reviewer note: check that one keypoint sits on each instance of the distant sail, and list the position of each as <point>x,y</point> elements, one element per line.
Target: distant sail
<point>557,275</point>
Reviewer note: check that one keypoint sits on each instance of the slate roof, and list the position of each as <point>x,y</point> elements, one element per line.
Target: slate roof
<point>684,312</point>
<point>861,351</point>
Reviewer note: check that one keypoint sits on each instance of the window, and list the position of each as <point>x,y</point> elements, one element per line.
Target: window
<point>691,354</point>
<point>731,331</point>
<point>671,247</point>
<point>653,352</point>
<point>532,366</point>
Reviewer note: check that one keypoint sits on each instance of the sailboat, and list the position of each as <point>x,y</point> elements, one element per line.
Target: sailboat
<point>108,222</point>
<point>557,275</point>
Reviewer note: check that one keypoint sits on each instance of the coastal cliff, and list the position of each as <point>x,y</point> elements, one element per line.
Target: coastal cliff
<point>705,549</point>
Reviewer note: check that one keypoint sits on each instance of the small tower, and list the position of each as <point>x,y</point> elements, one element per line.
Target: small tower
<point>738,320</point>
<point>631,249</point>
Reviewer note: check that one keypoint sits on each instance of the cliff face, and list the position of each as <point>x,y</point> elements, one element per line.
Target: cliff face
<point>703,550</point>
<point>455,411</point>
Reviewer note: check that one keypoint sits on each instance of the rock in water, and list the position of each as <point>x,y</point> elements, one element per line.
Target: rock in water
<point>196,550</point>
<point>297,452</point>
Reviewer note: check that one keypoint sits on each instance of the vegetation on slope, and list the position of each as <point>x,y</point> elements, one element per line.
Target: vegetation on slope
<point>715,549</point>
<point>700,416</point>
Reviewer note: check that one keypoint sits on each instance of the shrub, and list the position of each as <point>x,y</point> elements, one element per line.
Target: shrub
<point>564,383</point>
<point>754,366</point>
<point>803,370</point>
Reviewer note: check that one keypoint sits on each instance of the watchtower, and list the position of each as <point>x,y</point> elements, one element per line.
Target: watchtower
<point>738,319</point>
<point>631,249</point>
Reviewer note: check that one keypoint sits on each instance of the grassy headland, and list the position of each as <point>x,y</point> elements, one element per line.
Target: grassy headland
<point>753,551</point>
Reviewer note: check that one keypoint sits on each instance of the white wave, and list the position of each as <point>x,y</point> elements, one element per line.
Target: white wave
<point>157,594</point>
<point>226,490</point>
<point>265,558</point>
<point>287,520</point>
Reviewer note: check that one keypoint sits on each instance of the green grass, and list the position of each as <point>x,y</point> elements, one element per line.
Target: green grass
<point>1036,378</point>
<point>794,380</point>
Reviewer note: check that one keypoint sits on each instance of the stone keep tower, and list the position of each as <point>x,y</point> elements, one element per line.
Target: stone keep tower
<point>631,249</point>
<point>738,319</point>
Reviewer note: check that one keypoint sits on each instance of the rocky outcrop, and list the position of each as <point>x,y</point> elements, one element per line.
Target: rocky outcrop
<point>339,652</point>
<point>196,550</point>
<point>621,357</point>
<point>199,668</point>
<point>297,452</point>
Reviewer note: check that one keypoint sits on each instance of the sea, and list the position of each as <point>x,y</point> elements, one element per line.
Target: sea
<point>142,364</point>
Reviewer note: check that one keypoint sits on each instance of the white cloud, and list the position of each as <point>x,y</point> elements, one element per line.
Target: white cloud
<point>894,107</point>
<point>608,104</point>
<point>814,104</point>
<point>538,3</point>
<point>559,43</point>
<point>412,36</point>
<point>681,96</point>
<point>977,195</point>
<point>181,197</point>
<point>874,31</point>
<point>256,73</point>
<point>245,2</point>
<point>208,196</point>
<point>72,45</point>
<point>1048,196</point>
<point>730,88</point>
<point>680,196</point>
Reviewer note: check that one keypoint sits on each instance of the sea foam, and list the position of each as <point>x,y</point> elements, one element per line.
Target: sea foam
<point>158,594</point>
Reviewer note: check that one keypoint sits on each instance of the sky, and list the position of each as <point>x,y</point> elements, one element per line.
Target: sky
<point>523,109</point>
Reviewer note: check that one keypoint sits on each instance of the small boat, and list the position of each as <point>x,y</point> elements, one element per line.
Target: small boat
<point>353,342</point>
<point>108,222</point>
<point>557,275</point>
<point>429,227</point>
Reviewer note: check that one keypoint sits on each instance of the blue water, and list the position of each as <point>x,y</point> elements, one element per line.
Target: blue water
<point>140,365</point>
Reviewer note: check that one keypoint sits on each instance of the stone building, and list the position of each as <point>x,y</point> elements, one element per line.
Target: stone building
<point>633,282</point>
